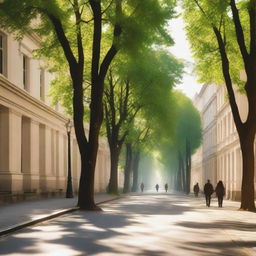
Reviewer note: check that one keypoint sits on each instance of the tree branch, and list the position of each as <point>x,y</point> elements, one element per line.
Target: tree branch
<point>239,32</point>
<point>252,14</point>
<point>227,77</point>
<point>63,41</point>
<point>96,8</point>
<point>79,35</point>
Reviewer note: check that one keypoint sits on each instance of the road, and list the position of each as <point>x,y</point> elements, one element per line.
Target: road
<point>150,224</point>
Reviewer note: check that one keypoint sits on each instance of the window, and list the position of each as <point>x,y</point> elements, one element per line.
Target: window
<point>25,72</point>
<point>2,54</point>
<point>42,84</point>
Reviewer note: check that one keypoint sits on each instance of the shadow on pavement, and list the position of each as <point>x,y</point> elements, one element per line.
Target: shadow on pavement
<point>235,225</point>
<point>225,248</point>
<point>120,230</point>
<point>87,233</point>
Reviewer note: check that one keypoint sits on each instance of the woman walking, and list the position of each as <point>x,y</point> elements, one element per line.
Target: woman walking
<point>220,192</point>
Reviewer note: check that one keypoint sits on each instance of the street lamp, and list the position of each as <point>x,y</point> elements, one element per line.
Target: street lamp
<point>69,192</point>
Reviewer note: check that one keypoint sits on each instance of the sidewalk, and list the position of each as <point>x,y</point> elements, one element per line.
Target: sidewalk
<point>19,215</point>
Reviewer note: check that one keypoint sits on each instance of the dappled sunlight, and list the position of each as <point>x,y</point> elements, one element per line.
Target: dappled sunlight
<point>36,216</point>
<point>42,249</point>
<point>91,227</point>
<point>45,233</point>
<point>142,225</point>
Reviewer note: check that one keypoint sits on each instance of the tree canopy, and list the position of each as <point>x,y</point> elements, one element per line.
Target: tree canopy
<point>187,128</point>
<point>199,17</point>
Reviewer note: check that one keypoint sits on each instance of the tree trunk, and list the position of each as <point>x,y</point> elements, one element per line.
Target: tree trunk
<point>114,159</point>
<point>128,168</point>
<point>182,174</point>
<point>188,166</point>
<point>86,186</point>
<point>88,159</point>
<point>179,174</point>
<point>135,169</point>
<point>176,185</point>
<point>247,148</point>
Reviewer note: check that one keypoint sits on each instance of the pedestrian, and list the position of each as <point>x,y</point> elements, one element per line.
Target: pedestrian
<point>157,187</point>
<point>142,186</point>
<point>220,192</point>
<point>166,187</point>
<point>208,190</point>
<point>196,189</point>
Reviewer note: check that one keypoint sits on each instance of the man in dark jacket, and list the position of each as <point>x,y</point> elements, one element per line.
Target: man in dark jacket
<point>208,190</point>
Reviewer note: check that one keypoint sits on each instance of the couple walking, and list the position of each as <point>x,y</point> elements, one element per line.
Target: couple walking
<point>219,190</point>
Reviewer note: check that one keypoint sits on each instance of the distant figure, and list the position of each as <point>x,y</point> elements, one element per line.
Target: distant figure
<point>166,187</point>
<point>157,187</point>
<point>142,186</point>
<point>196,189</point>
<point>220,192</point>
<point>208,190</point>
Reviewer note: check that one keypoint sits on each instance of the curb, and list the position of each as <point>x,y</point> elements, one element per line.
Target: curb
<point>23,225</point>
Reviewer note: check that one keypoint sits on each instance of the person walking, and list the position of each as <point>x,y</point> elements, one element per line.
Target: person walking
<point>157,187</point>
<point>166,187</point>
<point>142,186</point>
<point>208,190</point>
<point>196,189</point>
<point>220,192</point>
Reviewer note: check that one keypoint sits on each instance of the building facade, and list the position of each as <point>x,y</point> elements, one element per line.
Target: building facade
<point>33,136</point>
<point>204,160</point>
<point>219,157</point>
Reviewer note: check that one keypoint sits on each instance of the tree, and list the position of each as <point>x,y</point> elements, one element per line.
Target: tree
<point>120,110</point>
<point>229,47</point>
<point>123,100</point>
<point>188,134</point>
<point>127,167</point>
<point>154,75</point>
<point>138,140</point>
<point>186,138</point>
<point>128,25</point>
<point>141,144</point>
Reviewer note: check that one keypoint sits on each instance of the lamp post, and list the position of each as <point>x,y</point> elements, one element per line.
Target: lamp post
<point>69,192</point>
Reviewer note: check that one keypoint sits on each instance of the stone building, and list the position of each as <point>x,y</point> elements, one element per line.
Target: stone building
<point>219,157</point>
<point>33,136</point>
<point>204,160</point>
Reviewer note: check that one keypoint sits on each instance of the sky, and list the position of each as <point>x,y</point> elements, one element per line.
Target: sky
<point>181,50</point>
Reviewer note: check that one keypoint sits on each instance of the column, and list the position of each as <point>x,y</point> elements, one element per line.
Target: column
<point>30,154</point>
<point>238,173</point>
<point>42,159</point>
<point>97,172</point>
<point>57,160</point>
<point>49,178</point>
<point>75,172</point>
<point>10,151</point>
<point>61,173</point>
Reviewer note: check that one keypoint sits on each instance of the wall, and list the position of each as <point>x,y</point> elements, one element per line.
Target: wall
<point>33,138</point>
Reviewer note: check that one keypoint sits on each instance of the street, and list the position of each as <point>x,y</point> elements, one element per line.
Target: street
<point>147,224</point>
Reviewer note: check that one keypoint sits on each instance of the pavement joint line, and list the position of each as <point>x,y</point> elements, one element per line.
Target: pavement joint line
<point>26,224</point>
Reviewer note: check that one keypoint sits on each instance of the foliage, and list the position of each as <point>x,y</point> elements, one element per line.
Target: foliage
<point>155,74</point>
<point>204,44</point>
<point>188,127</point>
<point>143,23</point>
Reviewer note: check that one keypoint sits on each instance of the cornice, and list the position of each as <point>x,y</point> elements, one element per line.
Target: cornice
<point>7,85</point>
